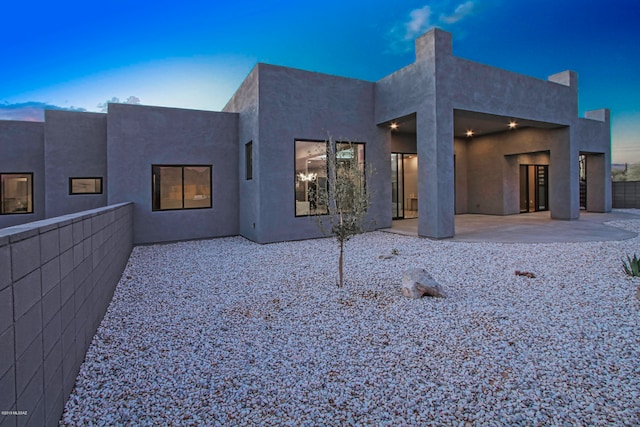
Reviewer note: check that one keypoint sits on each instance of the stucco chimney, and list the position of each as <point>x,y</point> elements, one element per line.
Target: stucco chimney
<point>601,115</point>
<point>566,78</point>
<point>434,41</point>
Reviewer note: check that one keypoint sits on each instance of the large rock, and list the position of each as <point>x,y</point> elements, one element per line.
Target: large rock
<point>417,283</point>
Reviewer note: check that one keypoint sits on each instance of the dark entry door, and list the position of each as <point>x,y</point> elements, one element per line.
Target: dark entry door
<point>534,188</point>
<point>582,161</point>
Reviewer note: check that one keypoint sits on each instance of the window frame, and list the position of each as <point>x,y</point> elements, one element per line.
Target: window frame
<point>27,212</point>
<point>72,193</point>
<point>248,161</point>
<point>182,167</point>
<point>337,143</point>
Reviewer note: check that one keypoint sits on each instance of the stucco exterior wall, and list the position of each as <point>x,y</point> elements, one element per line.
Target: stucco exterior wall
<point>297,104</point>
<point>75,145</point>
<point>22,151</point>
<point>511,174</point>
<point>493,167</point>
<point>439,83</point>
<point>414,90</point>
<point>461,166</point>
<point>141,136</point>
<point>245,102</point>
<point>275,106</point>
<point>403,143</point>
<point>477,87</point>
<point>485,174</point>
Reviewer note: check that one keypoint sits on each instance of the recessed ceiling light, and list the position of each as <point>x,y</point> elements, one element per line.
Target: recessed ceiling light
<point>470,133</point>
<point>513,124</point>
<point>394,126</point>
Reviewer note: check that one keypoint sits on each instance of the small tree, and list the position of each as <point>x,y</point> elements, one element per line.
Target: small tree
<point>346,197</point>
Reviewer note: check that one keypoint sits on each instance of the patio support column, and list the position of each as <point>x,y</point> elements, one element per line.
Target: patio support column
<point>434,135</point>
<point>564,190</point>
<point>436,207</point>
<point>599,170</point>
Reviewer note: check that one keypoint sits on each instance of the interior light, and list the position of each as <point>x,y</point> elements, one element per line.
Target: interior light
<point>394,126</point>
<point>513,124</point>
<point>470,132</point>
<point>307,177</point>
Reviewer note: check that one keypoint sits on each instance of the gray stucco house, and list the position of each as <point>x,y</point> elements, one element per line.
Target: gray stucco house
<point>445,136</point>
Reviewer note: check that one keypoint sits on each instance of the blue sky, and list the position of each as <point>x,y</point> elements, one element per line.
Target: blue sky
<point>194,54</point>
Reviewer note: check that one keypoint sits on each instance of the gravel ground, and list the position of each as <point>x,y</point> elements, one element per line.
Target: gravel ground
<point>229,332</point>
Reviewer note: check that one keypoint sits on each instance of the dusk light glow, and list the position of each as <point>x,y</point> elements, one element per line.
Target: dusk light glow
<point>195,54</point>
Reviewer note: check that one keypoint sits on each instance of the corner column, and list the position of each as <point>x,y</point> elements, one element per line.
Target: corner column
<point>564,190</point>
<point>436,207</point>
<point>434,127</point>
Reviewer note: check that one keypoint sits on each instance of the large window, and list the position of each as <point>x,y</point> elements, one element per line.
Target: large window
<point>16,193</point>
<point>311,172</point>
<point>181,187</point>
<point>85,185</point>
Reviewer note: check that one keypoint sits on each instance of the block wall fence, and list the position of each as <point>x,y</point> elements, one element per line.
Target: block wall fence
<point>57,278</point>
<point>625,194</point>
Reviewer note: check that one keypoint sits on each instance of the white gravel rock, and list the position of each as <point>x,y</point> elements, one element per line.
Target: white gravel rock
<point>228,332</point>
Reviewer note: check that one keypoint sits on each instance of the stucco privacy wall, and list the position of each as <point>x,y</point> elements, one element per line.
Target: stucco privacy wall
<point>296,104</point>
<point>75,145</point>
<point>57,277</point>
<point>140,137</point>
<point>22,151</point>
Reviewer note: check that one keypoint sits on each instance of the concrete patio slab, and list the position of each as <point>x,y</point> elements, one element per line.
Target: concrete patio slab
<point>537,227</point>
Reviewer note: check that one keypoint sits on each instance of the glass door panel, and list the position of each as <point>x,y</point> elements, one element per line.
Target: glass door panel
<point>397,186</point>
<point>534,188</point>
<point>541,188</point>
<point>524,193</point>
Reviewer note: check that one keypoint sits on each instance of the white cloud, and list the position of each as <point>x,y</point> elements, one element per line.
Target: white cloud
<point>422,19</point>
<point>419,23</point>
<point>461,12</point>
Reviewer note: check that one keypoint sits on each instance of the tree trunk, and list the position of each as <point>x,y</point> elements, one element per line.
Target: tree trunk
<point>340,263</point>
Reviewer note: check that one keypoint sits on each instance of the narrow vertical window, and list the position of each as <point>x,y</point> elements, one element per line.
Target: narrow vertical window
<point>311,177</point>
<point>16,193</point>
<point>180,187</point>
<point>350,167</point>
<point>248,160</point>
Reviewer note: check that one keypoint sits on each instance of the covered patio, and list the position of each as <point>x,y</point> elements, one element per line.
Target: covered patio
<point>535,227</point>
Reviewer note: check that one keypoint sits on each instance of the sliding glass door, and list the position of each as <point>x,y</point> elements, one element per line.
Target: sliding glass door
<point>397,186</point>
<point>404,186</point>
<point>534,188</point>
